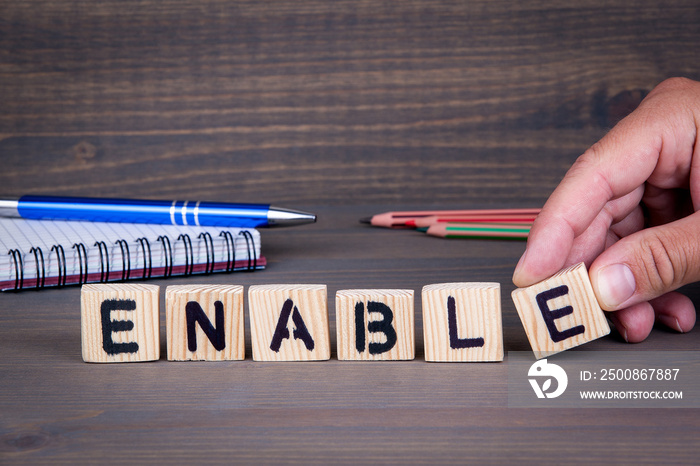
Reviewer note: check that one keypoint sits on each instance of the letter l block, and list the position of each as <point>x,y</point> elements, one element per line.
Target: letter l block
<point>462,322</point>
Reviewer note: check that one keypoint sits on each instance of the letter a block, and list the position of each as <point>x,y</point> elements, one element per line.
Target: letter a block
<point>120,322</point>
<point>289,322</point>
<point>462,322</point>
<point>375,325</point>
<point>204,322</point>
<point>560,312</point>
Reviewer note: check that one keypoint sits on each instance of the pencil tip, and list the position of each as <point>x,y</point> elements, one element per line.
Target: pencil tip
<point>367,220</point>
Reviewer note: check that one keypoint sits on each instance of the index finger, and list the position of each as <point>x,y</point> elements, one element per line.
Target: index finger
<point>617,165</point>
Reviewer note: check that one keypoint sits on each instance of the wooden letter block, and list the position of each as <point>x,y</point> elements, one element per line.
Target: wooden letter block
<point>462,322</point>
<point>204,322</point>
<point>560,312</point>
<point>120,322</point>
<point>289,322</point>
<point>375,325</point>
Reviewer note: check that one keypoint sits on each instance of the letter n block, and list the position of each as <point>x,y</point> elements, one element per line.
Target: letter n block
<point>462,322</point>
<point>204,322</point>
<point>120,322</point>
<point>289,322</point>
<point>375,325</point>
<point>561,312</point>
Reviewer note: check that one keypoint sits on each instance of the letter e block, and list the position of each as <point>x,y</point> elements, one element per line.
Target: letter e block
<point>204,322</point>
<point>289,322</point>
<point>375,325</point>
<point>119,322</point>
<point>462,322</point>
<point>560,312</point>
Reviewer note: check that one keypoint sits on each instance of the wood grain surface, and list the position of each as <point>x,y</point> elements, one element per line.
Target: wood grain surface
<point>381,331</point>
<point>586,322</point>
<point>356,100</point>
<point>179,316</point>
<point>470,329</point>
<point>345,109</point>
<point>274,309</point>
<point>133,322</point>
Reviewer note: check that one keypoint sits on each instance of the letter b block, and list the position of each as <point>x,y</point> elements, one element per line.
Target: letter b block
<point>204,322</point>
<point>289,322</point>
<point>119,322</point>
<point>561,312</point>
<point>375,324</point>
<point>462,322</point>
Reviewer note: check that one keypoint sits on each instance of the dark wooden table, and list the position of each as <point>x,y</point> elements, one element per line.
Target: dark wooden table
<point>345,109</point>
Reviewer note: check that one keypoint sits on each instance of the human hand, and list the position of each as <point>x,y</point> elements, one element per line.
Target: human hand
<point>628,208</point>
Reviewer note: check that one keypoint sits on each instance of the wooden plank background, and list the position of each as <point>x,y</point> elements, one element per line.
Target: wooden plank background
<point>345,109</point>
<point>359,101</point>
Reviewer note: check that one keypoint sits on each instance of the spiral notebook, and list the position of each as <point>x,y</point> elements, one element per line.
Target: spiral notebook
<point>45,253</point>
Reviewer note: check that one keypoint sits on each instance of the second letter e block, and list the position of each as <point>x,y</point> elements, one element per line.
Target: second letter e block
<point>289,322</point>
<point>560,312</point>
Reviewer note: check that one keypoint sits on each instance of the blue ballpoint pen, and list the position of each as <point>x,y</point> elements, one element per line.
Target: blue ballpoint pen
<point>156,212</point>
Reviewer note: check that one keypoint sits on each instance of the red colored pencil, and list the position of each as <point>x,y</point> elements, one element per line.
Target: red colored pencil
<point>424,222</point>
<point>407,219</point>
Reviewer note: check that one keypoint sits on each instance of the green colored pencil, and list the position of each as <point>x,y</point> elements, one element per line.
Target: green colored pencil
<point>479,230</point>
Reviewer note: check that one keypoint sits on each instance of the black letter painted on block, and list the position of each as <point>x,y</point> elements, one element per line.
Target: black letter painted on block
<point>383,326</point>
<point>455,341</point>
<point>550,315</point>
<point>300,331</point>
<point>360,339</point>
<point>194,314</point>
<point>109,326</point>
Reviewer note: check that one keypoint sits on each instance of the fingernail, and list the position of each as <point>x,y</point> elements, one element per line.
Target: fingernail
<point>621,329</point>
<point>670,322</point>
<point>623,332</point>
<point>519,266</point>
<point>615,285</point>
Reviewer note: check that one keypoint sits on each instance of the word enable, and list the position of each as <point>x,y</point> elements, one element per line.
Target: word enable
<point>462,321</point>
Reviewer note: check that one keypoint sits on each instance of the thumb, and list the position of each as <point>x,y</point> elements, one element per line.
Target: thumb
<point>648,264</point>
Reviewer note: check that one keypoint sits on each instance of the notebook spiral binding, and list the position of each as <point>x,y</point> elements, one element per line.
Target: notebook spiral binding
<point>104,261</point>
<point>61,258</point>
<point>167,247</point>
<point>126,258</point>
<point>210,259</point>
<point>250,245</point>
<point>145,247</point>
<point>82,260</point>
<point>230,249</point>
<point>40,271</point>
<point>189,253</point>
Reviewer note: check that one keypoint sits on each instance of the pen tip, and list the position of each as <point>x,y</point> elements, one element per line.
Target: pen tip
<point>366,220</point>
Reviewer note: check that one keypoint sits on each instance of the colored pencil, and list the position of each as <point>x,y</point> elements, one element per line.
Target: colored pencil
<point>478,230</point>
<point>520,219</point>
<point>407,219</point>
